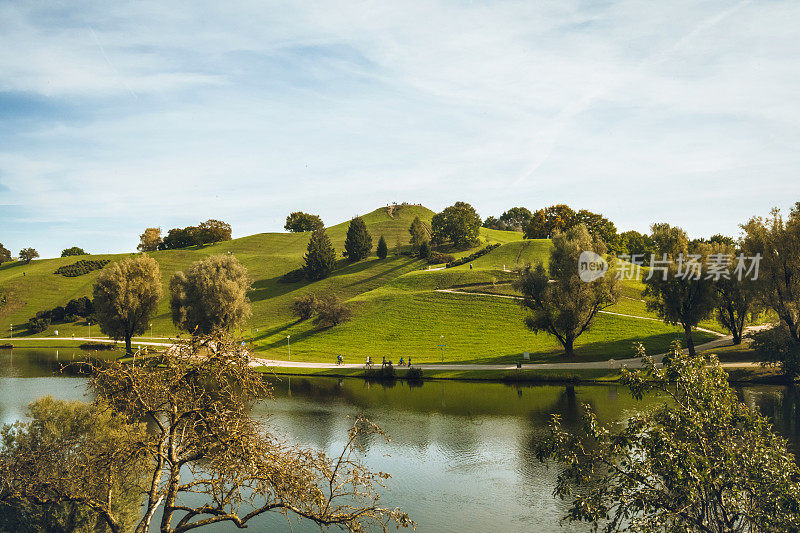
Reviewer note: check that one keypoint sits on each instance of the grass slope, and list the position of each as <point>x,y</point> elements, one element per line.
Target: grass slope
<point>397,311</point>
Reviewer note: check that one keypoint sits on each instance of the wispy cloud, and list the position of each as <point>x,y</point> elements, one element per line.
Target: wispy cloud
<point>169,113</point>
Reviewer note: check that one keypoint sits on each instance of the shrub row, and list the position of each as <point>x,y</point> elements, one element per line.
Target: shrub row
<point>84,266</point>
<point>72,312</point>
<point>473,256</point>
<point>435,258</point>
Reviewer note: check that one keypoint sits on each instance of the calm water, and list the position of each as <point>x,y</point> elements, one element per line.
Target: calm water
<point>460,456</point>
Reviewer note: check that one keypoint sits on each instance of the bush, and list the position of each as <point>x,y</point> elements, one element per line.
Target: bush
<point>435,258</point>
<point>39,324</point>
<point>81,307</point>
<point>57,314</point>
<point>81,267</point>
<point>331,311</point>
<point>473,256</point>
<point>72,251</point>
<point>381,373</point>
<point>414,374</point>
<point>305,306</point>
<point>71,318</point>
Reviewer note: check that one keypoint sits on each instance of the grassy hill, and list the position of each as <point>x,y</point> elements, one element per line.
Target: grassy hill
<point>397,308</point>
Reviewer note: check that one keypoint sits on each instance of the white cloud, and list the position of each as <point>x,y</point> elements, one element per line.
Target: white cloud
<point>184,110</point>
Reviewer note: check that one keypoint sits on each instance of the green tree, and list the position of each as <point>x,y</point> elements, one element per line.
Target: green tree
<point>599,225</point>
<point>125,296</point>
<point>212,231</point>
<point>71,468</point>
<point>678,291</point>
<point>180,238</point>
<point>561,304</point>
<point>358,243</point>
<point>298,222</point>
<point>72,251</point>
<point>320,258</point>
<point>639,247</point>
<point>545,222</point>
<point>419,234</point>
<point>28,255</point>
<point>210,296</point>
<point>516,218</point>
<point>777,244</point>
<point>702,462</point>
<point>425,250</point>
<point>382,250</point>
<point>150,240</point>
<point>492,222</point>
<point>734,295</point>
<point>5,254</point>
<point>458,224</point>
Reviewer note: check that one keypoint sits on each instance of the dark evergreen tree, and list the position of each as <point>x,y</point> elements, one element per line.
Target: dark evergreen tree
<point>382,250</point>
<point>425,250</point>
<point>320,257</point>
<point>358,243</point>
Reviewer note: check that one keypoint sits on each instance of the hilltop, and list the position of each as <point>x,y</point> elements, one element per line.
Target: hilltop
<point>398,305</point>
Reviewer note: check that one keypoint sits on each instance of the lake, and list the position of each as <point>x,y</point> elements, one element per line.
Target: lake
<point>461,454</point>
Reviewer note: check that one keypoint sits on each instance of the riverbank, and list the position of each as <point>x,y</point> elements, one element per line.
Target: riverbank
<point>741,373</point>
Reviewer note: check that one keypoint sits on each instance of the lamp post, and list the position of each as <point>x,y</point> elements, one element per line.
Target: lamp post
<point>12,331</point>
<point>89,322</point>
<point>151,330</point>
<point>289,347</point>
<point>441,346</point>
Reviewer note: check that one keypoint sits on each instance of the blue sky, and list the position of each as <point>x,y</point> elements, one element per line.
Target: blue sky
<point>115,116</point>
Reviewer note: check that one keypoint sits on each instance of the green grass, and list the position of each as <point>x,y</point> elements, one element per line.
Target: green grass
<point>397,311</point>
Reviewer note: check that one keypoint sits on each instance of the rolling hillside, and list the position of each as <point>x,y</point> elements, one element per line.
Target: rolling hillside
<point>397,308</point>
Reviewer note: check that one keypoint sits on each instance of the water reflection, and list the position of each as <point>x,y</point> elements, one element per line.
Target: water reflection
<point>461,454</point>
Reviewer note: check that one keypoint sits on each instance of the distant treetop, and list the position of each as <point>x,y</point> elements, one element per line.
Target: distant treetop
<point>208,232</point>
<point>299,222</point>
<point>72,251</point>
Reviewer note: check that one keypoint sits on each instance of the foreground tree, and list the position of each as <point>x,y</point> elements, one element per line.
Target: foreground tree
<point>210,463</point>
<point>320,256</point>
<point>125,296</point>
<point>458,224</point>
<point>299,222</point>
<point>777,243</point>
<point>69,252</point>
<point>702,462</point>
<point>5,254</point>
<point>150,240</point>
<point>210,296</point>
<point>358,243</point>
<point>676,288</point>
<point>561,304</point>
<point>72,467</point>
<point>382,250</point>
<point>28,255</point>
